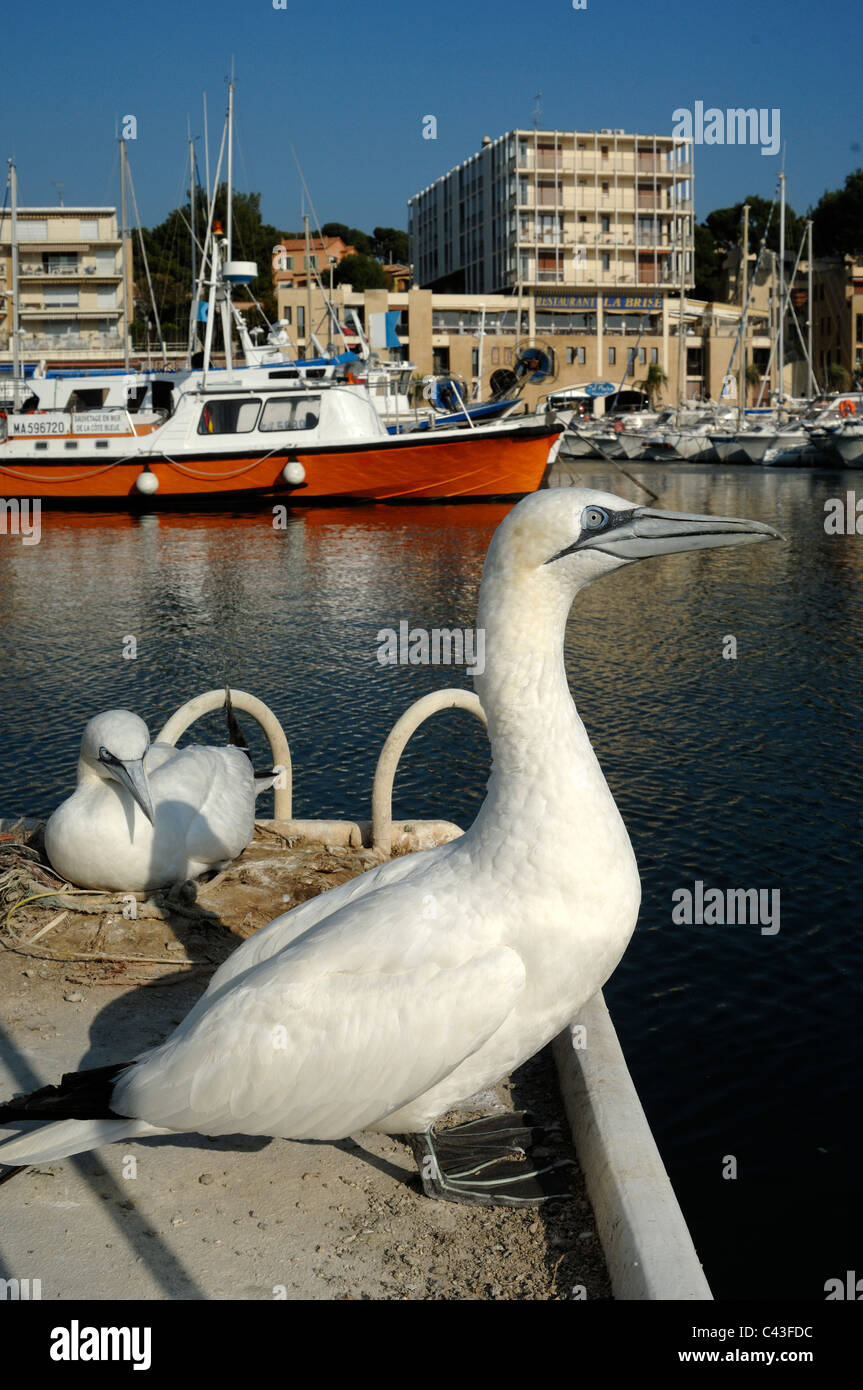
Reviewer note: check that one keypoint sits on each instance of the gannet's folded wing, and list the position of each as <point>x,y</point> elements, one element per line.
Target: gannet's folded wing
<point>283,930</point>
<point>320,1057</point>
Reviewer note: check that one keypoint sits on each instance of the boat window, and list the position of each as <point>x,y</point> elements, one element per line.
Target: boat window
<point>89,398</point>
<point>229,417</point>
<point>162,396</point>
<point>291,413</point>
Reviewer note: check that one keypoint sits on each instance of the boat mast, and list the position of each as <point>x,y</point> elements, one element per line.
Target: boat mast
<point>229,226</point>
<point>13,199</point>
<point>306,352</point>
<point>809,316</point>
<point>192,196</point>
<point>680,322</point>
<point>124,254</point>
<point>741,387</point>
<point>781,340</point>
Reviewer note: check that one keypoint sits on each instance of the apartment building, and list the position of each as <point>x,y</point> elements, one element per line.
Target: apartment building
<point>837,314</point>
<point>583,210</point>
<point>71,306</point>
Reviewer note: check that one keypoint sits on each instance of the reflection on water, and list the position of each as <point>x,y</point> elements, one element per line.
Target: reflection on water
<point>738,773</point>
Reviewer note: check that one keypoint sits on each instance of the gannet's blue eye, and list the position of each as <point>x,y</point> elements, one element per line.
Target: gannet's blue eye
<point>593,518</point>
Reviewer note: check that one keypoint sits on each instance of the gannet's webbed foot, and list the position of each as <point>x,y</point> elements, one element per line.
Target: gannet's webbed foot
<point>498,1160</point>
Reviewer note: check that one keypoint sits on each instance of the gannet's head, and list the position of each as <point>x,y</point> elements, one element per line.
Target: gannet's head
<point>113,746</point>
<point>569,536</point>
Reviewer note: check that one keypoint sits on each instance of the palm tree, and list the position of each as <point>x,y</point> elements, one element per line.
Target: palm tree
<point>653,382</point>
<point>753,376</point>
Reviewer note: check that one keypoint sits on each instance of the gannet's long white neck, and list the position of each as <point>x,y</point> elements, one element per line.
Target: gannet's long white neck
<point>542,759</point>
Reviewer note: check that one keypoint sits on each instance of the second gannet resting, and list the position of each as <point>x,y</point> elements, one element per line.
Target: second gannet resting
<point>393,998</point>
<point>145,816</point>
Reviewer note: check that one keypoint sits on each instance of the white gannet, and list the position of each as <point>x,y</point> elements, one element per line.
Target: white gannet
<point>388,1001</point>
<point>144,816</point>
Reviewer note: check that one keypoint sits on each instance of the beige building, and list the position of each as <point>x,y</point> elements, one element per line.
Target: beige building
<point>837,315</point>
<point>601,337</point>
<point>591,211</point>
<point>71,307</point>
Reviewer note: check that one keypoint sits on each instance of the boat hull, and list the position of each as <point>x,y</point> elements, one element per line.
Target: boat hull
<point>503,463</point>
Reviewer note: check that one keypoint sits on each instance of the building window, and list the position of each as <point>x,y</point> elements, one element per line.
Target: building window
<point>89,229</point>
<point>606,222</point>
<point>33,229</point>
<point>654,354</point>
<point>570,357</point>
<point>603,150</point>
<point>59,262</point>
<point>107,297</point>
<point>495,357</point>
<point>606,260</point>
<point>642,356</point>
<point>60,297</point>
<point>580,356</point>
<point>228,417</point>
<point>605,190</point>
<point>612,356</point>
<point>860,328</point>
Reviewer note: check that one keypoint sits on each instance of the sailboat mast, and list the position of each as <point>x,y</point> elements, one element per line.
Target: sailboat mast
<point>192,201</point>
<point>124,237</point>
<point>809,316</point>
<point>681,347</point>
<point>741,386</point>
<point>229,221</point>
<point>13,199</point>
<point>781,339</point>
<point>307,352</point>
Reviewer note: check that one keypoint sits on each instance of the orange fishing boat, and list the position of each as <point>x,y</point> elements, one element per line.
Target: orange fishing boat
<point>195,437</point>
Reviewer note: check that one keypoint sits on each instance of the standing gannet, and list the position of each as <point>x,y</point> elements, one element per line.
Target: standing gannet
<point>144,816</point>
<point>388,1001</point>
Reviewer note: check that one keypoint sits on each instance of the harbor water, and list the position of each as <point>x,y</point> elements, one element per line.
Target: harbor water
<point>736,765</point>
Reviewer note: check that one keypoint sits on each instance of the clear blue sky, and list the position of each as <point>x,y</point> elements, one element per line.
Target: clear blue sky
<point>348,85</point>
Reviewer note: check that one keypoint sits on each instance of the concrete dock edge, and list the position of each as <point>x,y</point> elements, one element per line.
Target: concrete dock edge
<point>647,1244</point>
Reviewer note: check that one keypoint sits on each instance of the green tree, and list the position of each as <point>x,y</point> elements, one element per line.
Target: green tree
<point>391,246</point>
<point>725,225</point>
<point>753,376</point>
<point>837,222</point>
<point>709,256</point>
<point>362,272</point>
<point>653,382</point>
<point>351,236</point>
<point>838,377</point>
<point>169,255</point>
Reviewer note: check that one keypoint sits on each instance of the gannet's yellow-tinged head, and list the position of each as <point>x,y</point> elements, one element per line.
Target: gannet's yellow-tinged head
<point>113,747</point>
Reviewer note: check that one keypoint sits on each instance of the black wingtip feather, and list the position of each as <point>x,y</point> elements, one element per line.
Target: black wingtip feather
<point>81,1095</point>
<point>236,737</point>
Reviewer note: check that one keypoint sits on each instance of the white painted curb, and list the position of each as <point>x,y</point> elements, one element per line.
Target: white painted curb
<point>648,1248</point>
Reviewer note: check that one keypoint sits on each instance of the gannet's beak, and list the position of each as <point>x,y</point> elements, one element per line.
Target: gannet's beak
<point>648,532</point>
<point>130,773</point>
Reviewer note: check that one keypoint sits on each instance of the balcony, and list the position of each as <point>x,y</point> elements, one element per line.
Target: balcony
<point>66,272</point>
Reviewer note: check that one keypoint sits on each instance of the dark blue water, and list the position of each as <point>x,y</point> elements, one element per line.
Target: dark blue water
<point>741,774</point>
